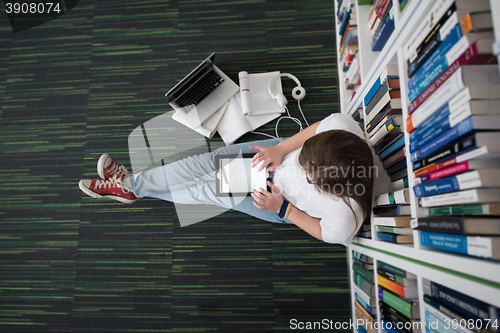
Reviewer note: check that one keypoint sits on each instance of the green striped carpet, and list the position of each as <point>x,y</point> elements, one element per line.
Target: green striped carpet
<point>75,88</point>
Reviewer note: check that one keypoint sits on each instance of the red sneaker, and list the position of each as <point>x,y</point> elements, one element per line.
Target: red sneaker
<point>107,168</point>
<point>112,189</point>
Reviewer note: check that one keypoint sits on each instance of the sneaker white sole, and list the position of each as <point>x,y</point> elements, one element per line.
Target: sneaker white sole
<point>92,194</point>
<point>100,165</point>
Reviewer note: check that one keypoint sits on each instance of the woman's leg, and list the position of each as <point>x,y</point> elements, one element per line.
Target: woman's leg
<point>192,181</point>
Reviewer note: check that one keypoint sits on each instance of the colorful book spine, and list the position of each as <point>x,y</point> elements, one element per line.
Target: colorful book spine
<point>396,302</point>
<point>394,158</point>
<point>392,149</point>
<point>366,274</point>
<point>395,288</point>
<point>472,196</point>
<point>476,246</point>
<point>365,305</point>
<point>479,209</point>
<point>461,129</point>
<point>450,171</point>
<point>436,62</point>
<point>396,270</point>
<point>384,33</point>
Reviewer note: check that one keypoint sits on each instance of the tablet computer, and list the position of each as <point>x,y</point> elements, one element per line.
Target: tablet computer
<point>235,176</point>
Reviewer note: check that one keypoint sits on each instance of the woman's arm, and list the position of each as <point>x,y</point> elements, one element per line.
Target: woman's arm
<point>274,154</point>
<point>273,200</point>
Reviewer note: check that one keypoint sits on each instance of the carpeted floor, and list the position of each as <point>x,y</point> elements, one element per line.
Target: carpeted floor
<point>75,88</point>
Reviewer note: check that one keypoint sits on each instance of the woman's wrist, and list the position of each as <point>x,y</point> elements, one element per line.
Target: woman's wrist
<point>284,210</point>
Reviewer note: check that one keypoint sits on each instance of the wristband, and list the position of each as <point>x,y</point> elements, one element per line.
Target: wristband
<point>285,209</point>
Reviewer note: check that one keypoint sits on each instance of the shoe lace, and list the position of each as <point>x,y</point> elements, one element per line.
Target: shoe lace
<point>118,170</point>
<point>114,182</point>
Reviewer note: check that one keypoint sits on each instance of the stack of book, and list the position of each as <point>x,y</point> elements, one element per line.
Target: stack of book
<point>365,303</point>
<point>454,124</point>
<point>381,23</point>
<point>365,231</point>
<point>444,305</point>
<point>398,298</point>
<point>348,51</point>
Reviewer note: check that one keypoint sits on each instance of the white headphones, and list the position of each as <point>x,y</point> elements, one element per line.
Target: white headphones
<point>298,92</point>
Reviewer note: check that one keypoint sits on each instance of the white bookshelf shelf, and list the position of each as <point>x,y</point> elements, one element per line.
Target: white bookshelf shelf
<point>476,277</point>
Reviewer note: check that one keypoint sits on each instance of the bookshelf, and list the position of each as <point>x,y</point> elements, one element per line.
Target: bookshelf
<point>476,277</point>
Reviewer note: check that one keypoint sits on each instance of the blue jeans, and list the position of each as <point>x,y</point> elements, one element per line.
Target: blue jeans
<point>192,181</point>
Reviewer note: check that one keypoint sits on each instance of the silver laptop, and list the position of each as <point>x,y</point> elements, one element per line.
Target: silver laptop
<point>202,92</point>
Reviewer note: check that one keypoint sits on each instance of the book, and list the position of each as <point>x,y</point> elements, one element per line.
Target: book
<point>363,264</point>
<point>397,197</point>
<point>396,270</point>
<point>477,246</point>
<point>380,124</point>
<point>471,75</point>
<point>389,72</point>
<point>458,168</point>
<point>480,209</point>
<point>395,238</point>
<point>367,318</point>
<point>481,51</point>
<point>390,314</point>
<point>254,92</point>
<point>394,158</point>
<point>407,307</point>
<point>393,210</point>
<point>386,111</point>
<point>362,257</point>
<point>463,225</point>
<point>234,123</point>
<point>479,22</point>
<point>209,126</point>
<point>389,85</point>
<point>456,110</point>
<point>472,154</point>
<point>380,12</point>
<point>386,142</point>
<point>365,273</point>
<point>398,185</point>
<point>392,149</point>
<point>396,278</point>
<point>364,285</point>
<point>388,327</point>
<point>465,127</point>
<point>384,32</point>
<point>394,230</point>
<point>457,301</point>
<point>487,139</point>
<point>435,324</point>
<point>463,181</point>
<point>432,40</point>
<point>450,313</point>
<point>371,301</point>
<point>479,195</point>
<point>395,221</point>
<point>392,97</point>
<point>438,10</point>
<point>387,127</point>
<point>398,175</point>
<point>406,292</point>
<point>397,167</point>
<point>370,309</point>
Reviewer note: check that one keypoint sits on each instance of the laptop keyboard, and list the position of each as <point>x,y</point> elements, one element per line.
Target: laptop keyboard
<point>199,91</point>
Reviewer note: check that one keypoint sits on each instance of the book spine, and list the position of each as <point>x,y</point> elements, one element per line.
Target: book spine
<point>464,59</point>
<point>364,285</point>
<point>471,245</point>
<point>459,210</point>
<point>454,198</point>
<point>397,167</point>
<point>392,149</point>
<point>345,20</point>
<point>466,145</point>
<point>428,70</point>
<point>390,285</point>
<point>384,88</point>
<point>454,133</point>
<point>373,90</point>
<point>433,40</point>
<point>439,8</point>
<point>428,125</point>
<point>439,129</point>
<point>454,183</point>
<point>366,274</point>
<point>398,175</point>
<point>461,303</point>
<point>395,302</point>
<point>363,303</point>
<point>388,275</point>
<point>387,309</point>
<point>424,224</point>
<point>387,237</point>
<point>383,34</point>
<point>386,111</point>
<point>392,269</point>
<point>450,171</point>
<point>394,158</point>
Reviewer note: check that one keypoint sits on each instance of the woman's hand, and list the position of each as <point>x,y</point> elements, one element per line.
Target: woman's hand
<point>270,155</point>
<point>266,200</point>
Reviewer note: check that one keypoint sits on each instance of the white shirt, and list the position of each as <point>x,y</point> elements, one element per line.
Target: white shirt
<point>337,220</point>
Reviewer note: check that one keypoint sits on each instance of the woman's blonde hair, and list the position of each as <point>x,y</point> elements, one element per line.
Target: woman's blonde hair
<point>340,163</point>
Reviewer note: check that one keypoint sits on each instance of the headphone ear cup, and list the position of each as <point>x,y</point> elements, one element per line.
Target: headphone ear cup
<point>298,93</point>
<point>281,100</point>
